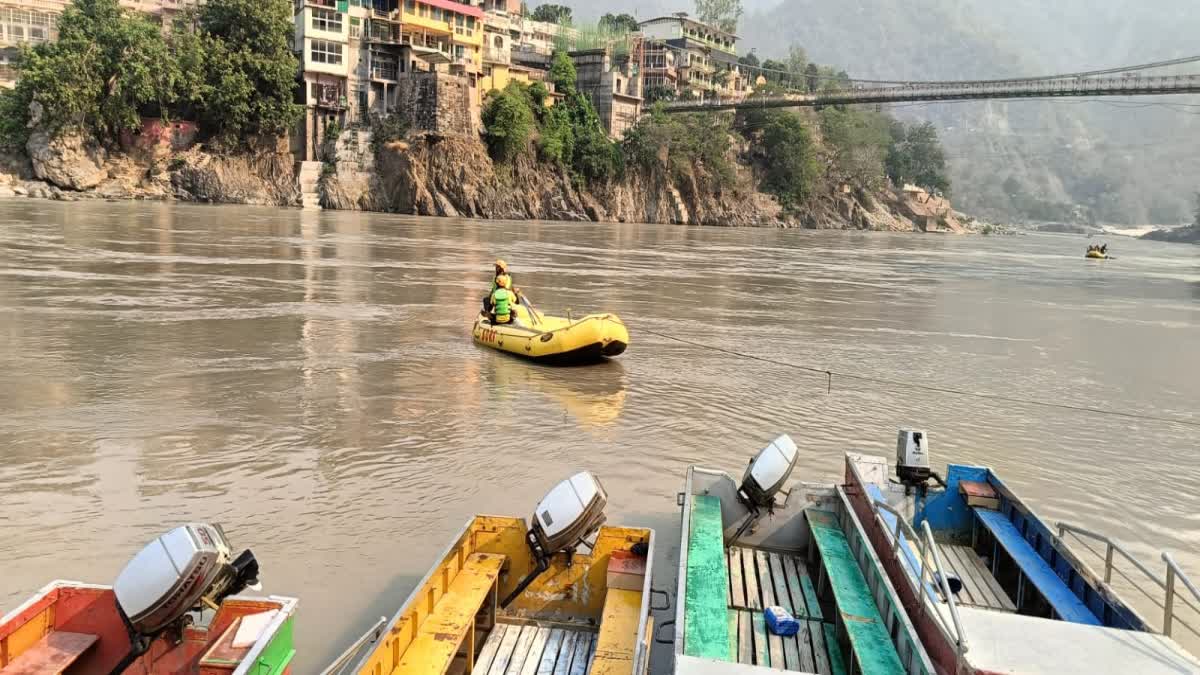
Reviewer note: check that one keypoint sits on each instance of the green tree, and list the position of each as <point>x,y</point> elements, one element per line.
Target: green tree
<point>915,156</point>
<point>812,77</point>
<point>251,68</point>
<point>557,140</point>
<point>797,59</point>
<point>723,14</point>
<point>792,168</point>
<point>107,68</point>
<point>508,121</point>
<point>683,141</point>
<point>750,59</point>
<point>858,140</point>
<point>558,14</point>
<point>619,23</point>
<point>562,73</point>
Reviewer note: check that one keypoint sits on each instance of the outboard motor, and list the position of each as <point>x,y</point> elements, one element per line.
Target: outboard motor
<point>563,520</point>
<point>912,462</point>
<point>764,478</point>
<point>185,570</point>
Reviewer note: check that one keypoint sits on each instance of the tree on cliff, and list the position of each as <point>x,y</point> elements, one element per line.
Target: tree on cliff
<point>915,156</point>
<point>558,14</point>
<point>792,169</point>
<point>508,118</point>
<point>243,49</point>
<point>107,67</point>
<point>723,14</point>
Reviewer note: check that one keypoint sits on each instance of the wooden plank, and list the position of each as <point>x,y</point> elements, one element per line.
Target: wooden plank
<point>442,633</point>
<point>810,592</point>
<point>869,637</point>
<point>963,566</point>
<point>774,642</point>
<point>534,659</point>
<point>837,663</point>
<point>792,578</point>
<point>762,656</point>
<point>779,582</point>
<point>816,639</point>
<point>733,636</point>
<point>483,662</point>
<point>729,587</point>
<point>505,653</point>
<point>706,628</point>
<point>750,575</point>
<point>565,652</point>
<point>550,652</point>
<point>738,596</point>
<point>745,637</point>
<point>52,654</point>
<point>591,655</point>
<point>618,638</point>
<point>522,650</point>
<point>579,661</point>
<point>804,643</point>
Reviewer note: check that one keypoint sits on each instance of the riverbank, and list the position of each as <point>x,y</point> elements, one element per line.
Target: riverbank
<point>1179,235</point>
<point>434,175</point>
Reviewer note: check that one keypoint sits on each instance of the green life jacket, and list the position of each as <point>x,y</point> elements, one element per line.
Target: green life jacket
<point>501,298</point>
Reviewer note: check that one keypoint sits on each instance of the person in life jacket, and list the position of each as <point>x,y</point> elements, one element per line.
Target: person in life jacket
<point>503,300</point>
<point>501,269</point>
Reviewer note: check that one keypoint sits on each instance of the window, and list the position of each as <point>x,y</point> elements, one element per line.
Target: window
<point>324,51</point>
<point>498,42</point>
<point>410,6</point>
<point>327,20</point>
<point>355,27</point>
<point>437,14</point>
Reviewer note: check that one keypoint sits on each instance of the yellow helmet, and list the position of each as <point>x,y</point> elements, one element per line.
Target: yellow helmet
<point>501,265</point>
<point>504,281</point>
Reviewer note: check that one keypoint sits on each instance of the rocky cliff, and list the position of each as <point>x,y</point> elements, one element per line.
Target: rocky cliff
<point>437,175</point>
<point>1179,235</point>
<point>434,175</point>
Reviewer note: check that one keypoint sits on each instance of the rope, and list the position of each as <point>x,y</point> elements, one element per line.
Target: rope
<point>830,374</point>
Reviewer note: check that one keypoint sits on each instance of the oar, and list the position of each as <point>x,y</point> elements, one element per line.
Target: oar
<point>533,313</point>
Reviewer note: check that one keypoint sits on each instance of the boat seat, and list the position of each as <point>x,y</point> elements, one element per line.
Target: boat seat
<point>52,654</point>
<point>870,642</point>
<point>441,635</point>
<point>706,627</point>
<point>618,633</point>
<point>1065,603</point>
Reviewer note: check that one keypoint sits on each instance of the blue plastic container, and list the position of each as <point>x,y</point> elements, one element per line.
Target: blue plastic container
<point>781,622</point>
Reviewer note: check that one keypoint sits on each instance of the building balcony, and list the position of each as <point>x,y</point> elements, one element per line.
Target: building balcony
<point>391,15</point>
<point>325,4</point>
<point>383,35</point>
<point>387,72</point>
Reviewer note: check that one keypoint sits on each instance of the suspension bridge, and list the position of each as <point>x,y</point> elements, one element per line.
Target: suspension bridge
<point>1123,81</point>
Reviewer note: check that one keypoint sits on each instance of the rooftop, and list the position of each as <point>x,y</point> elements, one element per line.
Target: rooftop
<point>684,19</point>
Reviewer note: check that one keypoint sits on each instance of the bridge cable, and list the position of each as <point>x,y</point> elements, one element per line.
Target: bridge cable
<point>830,374</point>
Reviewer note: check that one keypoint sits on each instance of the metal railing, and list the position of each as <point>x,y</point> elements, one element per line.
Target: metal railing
<point>1167,586</point>
<point>938,573</point>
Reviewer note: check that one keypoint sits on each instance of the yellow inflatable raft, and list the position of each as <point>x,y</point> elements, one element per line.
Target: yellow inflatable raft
<point>555,340</point>
<point>1096,255</point>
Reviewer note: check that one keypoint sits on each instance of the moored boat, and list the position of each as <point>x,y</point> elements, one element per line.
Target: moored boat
<point>172,611</point>
<point>506,597</point>
<point>1016,597</point>
<point>554,340</point>
<point>748,546</point>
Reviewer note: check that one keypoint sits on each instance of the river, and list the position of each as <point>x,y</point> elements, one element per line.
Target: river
<point>307,380</point>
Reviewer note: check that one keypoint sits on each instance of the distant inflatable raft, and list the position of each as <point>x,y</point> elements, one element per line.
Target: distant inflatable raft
<point>555,340</point>
<point>1096,255</point>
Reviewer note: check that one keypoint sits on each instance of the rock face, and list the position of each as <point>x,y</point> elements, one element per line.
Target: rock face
<point>1179,235</point>
<point>265,177</point>
<point>69,161</point>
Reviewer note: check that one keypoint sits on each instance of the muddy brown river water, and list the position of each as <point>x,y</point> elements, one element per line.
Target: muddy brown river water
<point>308,381</point>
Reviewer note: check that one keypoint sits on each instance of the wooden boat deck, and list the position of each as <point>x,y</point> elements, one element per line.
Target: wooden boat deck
<point>980,588</point>
<point>760,579</point>
<point>531,649</point>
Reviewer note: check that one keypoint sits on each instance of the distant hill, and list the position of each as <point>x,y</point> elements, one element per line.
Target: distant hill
<point>1129,161</point>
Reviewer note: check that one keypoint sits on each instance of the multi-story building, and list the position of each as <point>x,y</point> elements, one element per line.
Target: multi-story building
<point>613,84</point>
<point>357,54</point>
<point>659,74</point>
<point>31,22</point>
<point>706,61</point>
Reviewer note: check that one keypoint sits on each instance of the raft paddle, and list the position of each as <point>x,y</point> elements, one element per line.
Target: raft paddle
<point>533,313</point>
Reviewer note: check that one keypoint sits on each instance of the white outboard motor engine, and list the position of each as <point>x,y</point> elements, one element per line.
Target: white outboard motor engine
<point>187,569</point>
<point>767,473</point>
<point>764,478</point>
<point>563,520</point>
<point>912,457</point>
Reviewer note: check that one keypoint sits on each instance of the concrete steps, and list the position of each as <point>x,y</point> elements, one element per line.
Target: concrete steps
<point>309,177</point>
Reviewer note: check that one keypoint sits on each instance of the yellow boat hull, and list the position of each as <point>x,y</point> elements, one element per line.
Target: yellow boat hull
<point>555,340</point>
<point>1096,255</point>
